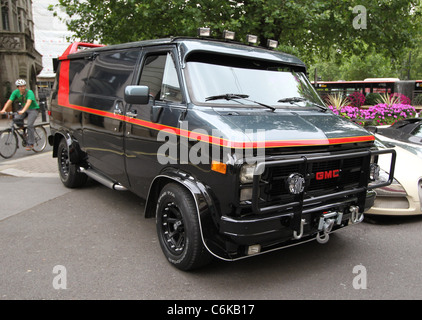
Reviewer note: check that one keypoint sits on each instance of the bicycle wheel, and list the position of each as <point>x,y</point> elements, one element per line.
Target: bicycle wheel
<point>40,139</point>
<point>8,143</point>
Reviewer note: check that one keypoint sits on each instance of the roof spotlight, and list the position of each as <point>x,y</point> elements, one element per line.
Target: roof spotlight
<point>272,44</point>
<point>228,35</point>
<point>204,32</point>
<point>251,39</point>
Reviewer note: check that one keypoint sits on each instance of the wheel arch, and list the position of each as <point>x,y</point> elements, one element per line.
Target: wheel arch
<point>196,189</point>
<point>76,155</point>
<point>206,208</point>
<point>55,141</point>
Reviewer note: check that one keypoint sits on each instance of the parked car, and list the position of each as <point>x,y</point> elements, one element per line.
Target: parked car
<point>404,195</point>
<point>407,131</point>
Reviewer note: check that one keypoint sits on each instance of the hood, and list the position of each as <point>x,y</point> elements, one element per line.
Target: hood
<point>254,127</point>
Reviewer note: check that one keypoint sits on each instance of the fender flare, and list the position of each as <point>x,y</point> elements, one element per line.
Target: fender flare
<point>75,152</point>
<point>205,207</point>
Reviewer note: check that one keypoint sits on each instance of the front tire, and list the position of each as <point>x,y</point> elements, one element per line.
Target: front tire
<point>178,229</point>
<point>69,173</point>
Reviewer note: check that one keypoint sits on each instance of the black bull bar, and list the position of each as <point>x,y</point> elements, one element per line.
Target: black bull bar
<point>301,204</point>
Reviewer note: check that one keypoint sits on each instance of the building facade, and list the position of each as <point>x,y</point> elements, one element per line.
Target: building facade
<point>18,56</point>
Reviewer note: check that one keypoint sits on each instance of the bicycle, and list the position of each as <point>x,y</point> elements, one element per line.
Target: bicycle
<point>9,142</point>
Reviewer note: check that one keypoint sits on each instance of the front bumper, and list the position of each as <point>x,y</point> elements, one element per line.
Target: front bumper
<point>278,222</point>
<point>276,228</point>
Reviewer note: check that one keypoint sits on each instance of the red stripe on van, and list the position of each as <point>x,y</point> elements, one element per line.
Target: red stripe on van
<point>63,100</point>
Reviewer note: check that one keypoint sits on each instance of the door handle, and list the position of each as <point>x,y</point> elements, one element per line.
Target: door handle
<point>131,114</point>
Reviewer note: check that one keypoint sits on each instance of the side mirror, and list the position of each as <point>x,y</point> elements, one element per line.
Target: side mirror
<point>137,94</point>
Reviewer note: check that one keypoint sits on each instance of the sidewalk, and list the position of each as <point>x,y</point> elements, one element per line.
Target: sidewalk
<point>41,165</point>
<point>37,165</point>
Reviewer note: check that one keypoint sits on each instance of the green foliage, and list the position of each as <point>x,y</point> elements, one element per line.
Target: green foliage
<point>313,28</point>
<point>372,98</point>
<point>388,99</point>
<point>356,67</point>
<point>337,100</point>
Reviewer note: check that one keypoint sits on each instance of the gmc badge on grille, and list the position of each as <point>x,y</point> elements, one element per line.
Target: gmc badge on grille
<point>330,174</point>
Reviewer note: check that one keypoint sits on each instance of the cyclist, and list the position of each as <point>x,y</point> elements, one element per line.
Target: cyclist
<point>30,108</point>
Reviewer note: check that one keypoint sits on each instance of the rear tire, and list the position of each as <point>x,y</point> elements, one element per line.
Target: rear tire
<point>178,229</point>
<point>8,143</point>
<point>69,173</point>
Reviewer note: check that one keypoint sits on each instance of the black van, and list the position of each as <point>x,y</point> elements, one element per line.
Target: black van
<point>229,144</point>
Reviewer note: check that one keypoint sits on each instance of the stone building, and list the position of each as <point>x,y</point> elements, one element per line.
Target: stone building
<point>18,56</point>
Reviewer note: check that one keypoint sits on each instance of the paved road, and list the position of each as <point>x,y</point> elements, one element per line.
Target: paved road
<point>94,243</point>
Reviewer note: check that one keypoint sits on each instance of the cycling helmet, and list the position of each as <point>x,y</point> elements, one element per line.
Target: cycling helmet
<point>20,82</point>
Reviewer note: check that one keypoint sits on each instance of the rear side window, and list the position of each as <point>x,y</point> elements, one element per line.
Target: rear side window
<point>112,72</point>
<point>78,79</point>
<point>78,74</point>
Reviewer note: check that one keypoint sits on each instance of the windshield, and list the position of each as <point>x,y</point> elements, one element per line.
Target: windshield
<point>220,85</point>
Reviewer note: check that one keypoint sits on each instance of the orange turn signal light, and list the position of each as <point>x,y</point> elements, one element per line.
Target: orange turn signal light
<point>218,167</point>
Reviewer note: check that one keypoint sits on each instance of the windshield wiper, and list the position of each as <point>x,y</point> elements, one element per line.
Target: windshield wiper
<point>233,96</point>
<point>292,99</point>
<point>301,99</point>
<point>227,96</point>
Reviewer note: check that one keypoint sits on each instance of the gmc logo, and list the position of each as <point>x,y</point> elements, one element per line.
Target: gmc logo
<point>324,175</point>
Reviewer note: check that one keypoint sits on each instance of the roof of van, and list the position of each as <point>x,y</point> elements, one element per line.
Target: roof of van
<point>188,45</point>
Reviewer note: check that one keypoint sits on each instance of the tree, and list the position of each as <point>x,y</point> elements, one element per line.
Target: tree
<point>355,67</point>
<point>310,27</point>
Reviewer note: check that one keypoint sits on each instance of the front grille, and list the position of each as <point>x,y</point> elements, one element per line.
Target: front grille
<point>321,177</point>
<point>335,179</point>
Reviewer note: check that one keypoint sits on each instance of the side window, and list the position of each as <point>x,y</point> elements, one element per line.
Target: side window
<point>78,74</point>
<point>112,72</point>
<point>170,88</point>
<point>159,74</point>
<point>78,79</point>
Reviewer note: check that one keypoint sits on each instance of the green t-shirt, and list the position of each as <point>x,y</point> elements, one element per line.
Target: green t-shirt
<point>29,95</point>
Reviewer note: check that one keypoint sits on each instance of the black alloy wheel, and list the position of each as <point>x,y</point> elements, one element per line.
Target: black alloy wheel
<point>69,173</point>
<point>178,228</point>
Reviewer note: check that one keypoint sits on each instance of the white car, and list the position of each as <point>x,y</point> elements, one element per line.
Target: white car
<point>404,196</point>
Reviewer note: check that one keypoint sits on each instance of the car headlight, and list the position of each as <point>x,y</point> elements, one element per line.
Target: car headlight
<point>395,189</point>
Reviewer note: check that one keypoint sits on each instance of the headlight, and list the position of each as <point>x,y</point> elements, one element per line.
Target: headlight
<point>247,173</point>
<point>395,189</point>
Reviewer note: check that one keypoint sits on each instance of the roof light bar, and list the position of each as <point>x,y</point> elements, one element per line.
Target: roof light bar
<point>251,39</point>
<point>204,32</point>
<point>272,44</point>
<point>228,35</point>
